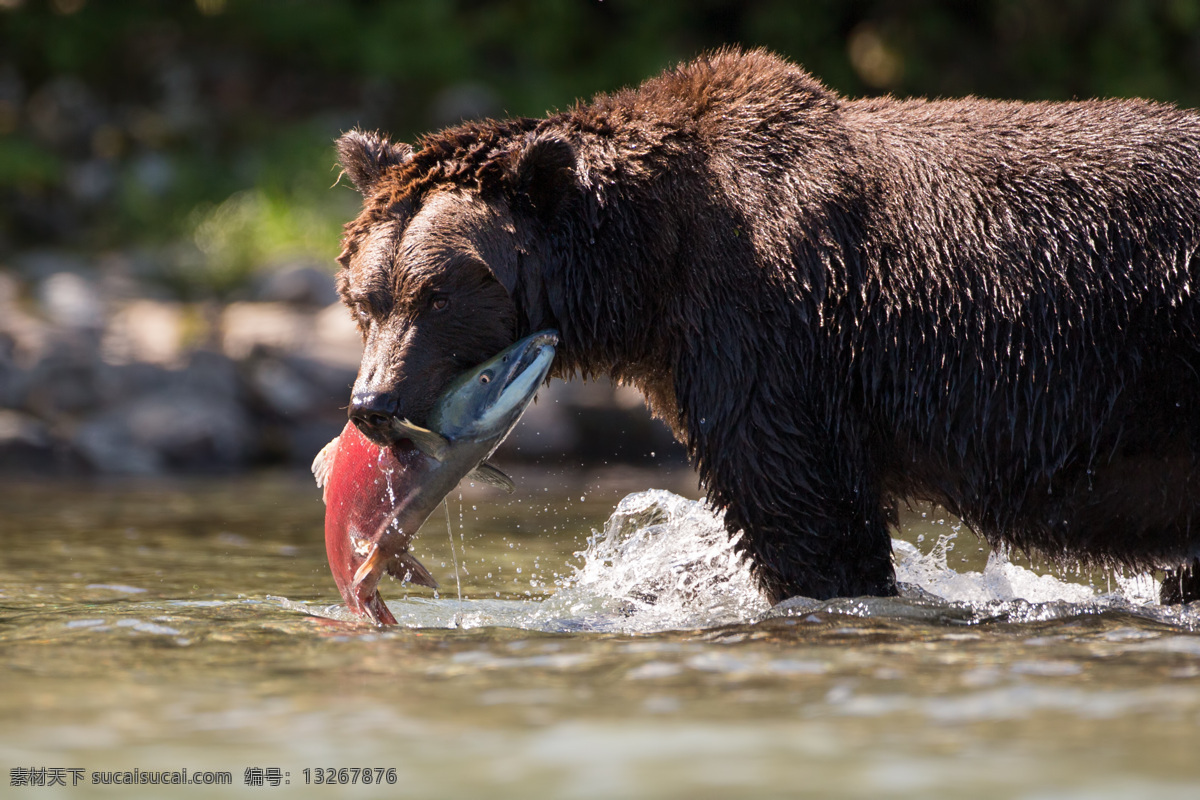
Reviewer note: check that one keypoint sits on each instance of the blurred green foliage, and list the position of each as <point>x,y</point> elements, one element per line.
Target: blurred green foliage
<point>142,124</point>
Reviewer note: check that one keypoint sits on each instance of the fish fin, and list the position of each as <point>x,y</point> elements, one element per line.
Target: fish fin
<point>322,465</point>
<point>431,443</point>
<point>405,567</point>
<point>370,566</point>
<point>377,611</point>
<point>486,473</point>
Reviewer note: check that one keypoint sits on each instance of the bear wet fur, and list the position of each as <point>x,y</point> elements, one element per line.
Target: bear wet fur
<point>836,304</point>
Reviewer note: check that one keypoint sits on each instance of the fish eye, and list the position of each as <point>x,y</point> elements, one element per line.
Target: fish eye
<point>486,377</point>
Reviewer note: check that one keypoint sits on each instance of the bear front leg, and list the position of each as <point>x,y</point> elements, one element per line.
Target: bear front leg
<point>813,516</point>
<point>836,552</point>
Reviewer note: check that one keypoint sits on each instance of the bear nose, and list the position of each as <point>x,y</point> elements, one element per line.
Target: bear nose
<point>372,413</point>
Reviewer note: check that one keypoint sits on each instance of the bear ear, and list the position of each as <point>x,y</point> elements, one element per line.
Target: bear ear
<point>542,173</point>
<point>365,156</point>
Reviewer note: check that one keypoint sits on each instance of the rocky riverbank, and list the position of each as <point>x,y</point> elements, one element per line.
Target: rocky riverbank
<point>99,375</point>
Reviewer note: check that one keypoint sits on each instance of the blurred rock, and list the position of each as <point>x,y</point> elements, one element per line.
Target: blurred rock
<point>195,421</point>
<point>213,374</point>
<point>338,340</point>
<point>9,292</point>
<point>37,265</point>
<point>304,440</point>
<point>17,427</point>
<point>293,386</point>
<point>145,330</point>
<point>135,380</point>
<point>27,446</point>
<point>246,327</point>
<point>281,388</point>
<point>594,421</point>
<point>299,403</point>
<point>72,301</point>
<point>171,429</point>
<point>325,335</point>
<point>122,276</point>
<point>546,426</point>
<point>25,337</point>
<point>12,377</point>
<point>93,376</point>
<point>301,285</point>
<point>67,382</point>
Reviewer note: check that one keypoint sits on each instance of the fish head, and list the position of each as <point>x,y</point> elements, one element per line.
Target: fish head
<point>484,403</point>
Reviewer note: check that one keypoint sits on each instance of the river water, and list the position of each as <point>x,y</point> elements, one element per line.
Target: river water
<point>582,652</point>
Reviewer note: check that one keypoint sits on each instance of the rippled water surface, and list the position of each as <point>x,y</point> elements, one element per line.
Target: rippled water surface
<point>195,625</point>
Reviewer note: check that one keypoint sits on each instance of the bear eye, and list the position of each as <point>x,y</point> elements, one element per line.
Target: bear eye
<point>440,302</point>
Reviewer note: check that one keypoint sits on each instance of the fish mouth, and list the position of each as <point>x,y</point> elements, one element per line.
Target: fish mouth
<point>535,348</point>
<point>522,371</point>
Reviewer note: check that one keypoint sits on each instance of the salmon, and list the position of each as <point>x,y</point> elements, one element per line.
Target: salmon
<point>377,497</point>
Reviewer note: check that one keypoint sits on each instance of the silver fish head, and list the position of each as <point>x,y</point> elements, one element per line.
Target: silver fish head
<point>485,402</point>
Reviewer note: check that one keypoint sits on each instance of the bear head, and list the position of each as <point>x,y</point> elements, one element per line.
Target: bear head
<point>442,269</point>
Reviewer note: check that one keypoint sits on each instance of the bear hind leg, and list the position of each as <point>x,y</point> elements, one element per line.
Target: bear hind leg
<point>1181,585</point>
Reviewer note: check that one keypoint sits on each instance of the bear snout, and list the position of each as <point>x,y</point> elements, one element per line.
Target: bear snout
<point>372,413</point>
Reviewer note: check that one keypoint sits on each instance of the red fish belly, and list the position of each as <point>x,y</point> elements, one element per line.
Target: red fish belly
<point>362,488</point>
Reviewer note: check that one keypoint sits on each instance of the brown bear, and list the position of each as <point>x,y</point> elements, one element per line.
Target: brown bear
<point>836,304</point>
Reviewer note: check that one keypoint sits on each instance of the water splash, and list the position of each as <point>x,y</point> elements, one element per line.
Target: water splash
<point>1000,581</point>
<point>664,562</point>
<point>1010,592</point>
